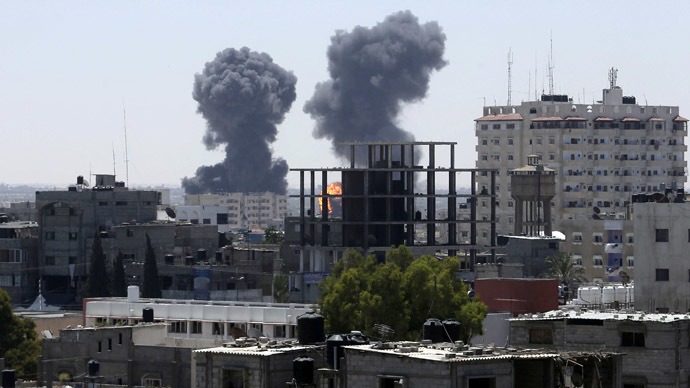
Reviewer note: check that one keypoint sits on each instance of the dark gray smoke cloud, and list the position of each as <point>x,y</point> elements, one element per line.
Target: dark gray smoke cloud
<point>373,72</point>
<point>242,95</point>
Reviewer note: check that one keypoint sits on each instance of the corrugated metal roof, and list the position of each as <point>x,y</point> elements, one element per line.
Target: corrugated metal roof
<point>547,119</point>
<point>637,316</point>
<point>259,351</point>
<point>508,117</point>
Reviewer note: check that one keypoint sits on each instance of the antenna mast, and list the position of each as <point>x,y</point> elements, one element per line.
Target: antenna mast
<point>113,144</point>
<point>124,114</point>
<point>613,77</point>
<point>510,64</point>
<point>551,65</point>
<point>529,84</point>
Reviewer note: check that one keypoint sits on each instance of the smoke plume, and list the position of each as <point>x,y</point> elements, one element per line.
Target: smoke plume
<point>242,95</point>
<point>373,72</point>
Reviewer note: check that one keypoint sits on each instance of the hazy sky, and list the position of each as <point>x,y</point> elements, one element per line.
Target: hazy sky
<point>66,67</point>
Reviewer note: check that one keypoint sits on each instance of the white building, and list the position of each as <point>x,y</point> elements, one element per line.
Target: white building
<point>662,274</point>
<point>199,320</point>
<point>234,211</point>
<point>602,153</point>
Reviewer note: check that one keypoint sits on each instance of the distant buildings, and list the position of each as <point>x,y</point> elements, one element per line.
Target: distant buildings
<point>602,153</point>
<point>234,211</point>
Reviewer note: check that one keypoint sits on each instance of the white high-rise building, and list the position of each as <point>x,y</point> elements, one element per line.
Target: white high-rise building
<point>602,153</point>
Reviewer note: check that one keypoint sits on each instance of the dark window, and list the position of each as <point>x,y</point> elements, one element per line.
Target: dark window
<point>662,274</point>
<point>119,339</point>
<point>632,339</point>
<point>218,328</point>
<point>110,344</point>
<point>483,382</point>
<point>207,221</point>
<point>196,327</point>
<point>148,203</point>
<point>390,381</point>
<point>130,232</point>
<point>50,235</point>
<point>73,236</point>
<point>662,235</point>
<point>50,260</point>
<point>222,218</point>
<point>121,203</point>
<point>540,336</point>
<point>99,346</point>
<point>103,203</point>
<point>73,260</point>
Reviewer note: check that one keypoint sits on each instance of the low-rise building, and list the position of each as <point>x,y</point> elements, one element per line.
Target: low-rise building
<point>655,345</point>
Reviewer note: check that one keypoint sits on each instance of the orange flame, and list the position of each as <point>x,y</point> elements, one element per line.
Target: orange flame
<point>334,188</point>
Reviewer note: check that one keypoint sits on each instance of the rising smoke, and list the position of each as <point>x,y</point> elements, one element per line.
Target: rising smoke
<point>373,72</point>
<point>242,95</point>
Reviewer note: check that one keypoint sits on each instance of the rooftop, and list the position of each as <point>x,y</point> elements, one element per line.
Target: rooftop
<point>263,347</point>
<point>18,225</point>
<point>610,315</point>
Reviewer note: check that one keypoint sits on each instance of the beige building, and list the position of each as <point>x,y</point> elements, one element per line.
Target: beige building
<point>234,211</point>
<point>602,153</point>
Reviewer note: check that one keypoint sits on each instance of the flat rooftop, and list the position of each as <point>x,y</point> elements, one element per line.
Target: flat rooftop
<point>609,315</point>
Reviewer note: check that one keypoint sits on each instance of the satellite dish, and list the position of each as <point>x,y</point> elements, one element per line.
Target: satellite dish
<point>576,378</point>
<point>658,197</point>
<point>86,183</point>
<point>597,210</point>
<point>170,212</point>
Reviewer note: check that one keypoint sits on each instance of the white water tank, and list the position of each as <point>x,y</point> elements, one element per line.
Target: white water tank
<point>607,294</point>
<point>621,294</point>
<point>631,293</point>
<point>133,294</point>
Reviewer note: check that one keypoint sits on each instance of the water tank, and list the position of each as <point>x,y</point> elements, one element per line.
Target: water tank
<point>607,295</point>
<point>589,295</point>
<point>133,294</point>
<point>4,218</point>
<point>303,370</point>
<point>357,338</point>
<point>433,330</point>
<point>80,180</point>
<point>310,328</point>
<point>219,257</point>
<point>452,330</point>
<point>201,255</point>
<point>334,350</point>
<point>620,294</point>
<point>147,315</point>
<point>170,259</point>
<point>189,260</point>
<point>93,367</point>
<point>103,234</point>
<point>8,378</point>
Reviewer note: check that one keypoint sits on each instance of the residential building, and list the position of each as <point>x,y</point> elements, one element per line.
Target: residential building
<point>662,240</point>
<point>601,153</point>
<point>234,211</point>
<point>68,221</point>
<point>19,261</point>
<point>20,211</point>
<point>654,345</point>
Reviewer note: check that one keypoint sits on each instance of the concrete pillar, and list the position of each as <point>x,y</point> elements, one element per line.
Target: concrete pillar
<point>518,217</point>
<point>547,218</point>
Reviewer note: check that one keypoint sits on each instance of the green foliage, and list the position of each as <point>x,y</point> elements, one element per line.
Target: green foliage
<point>273,236</point>
<point>562,267</point>
<point>151,287</point>
<point>119,286</point>
<point>18,340</point>
<point>98,282</point>
<point>402,294</point>
<point>281,293</point>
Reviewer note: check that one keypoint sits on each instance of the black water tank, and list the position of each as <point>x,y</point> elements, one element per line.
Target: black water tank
<point>433,330</point>
<point>303,370</point>
<point>219,256</point>
<point>8,378</point>
<point>80,180</point>
<point>334,350</point>
<point>170,259</point>
<point>93,367</point>
<point>189,260</point>
<point>201,255</point>
<point>103,234</point>
<point>147,315</point>
<point>452,332</point>
<point>310,328</point>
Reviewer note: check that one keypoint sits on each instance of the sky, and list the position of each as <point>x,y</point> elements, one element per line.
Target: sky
<point>69,69</point>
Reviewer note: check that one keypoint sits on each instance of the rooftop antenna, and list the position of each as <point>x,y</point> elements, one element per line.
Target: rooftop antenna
<point>645,98</point>
<point>113,144</point>
<point>529,84</point>
<point>613,77</point>
<point>536,68</point>
<point>510,64</point>
<point>551,65</point>
<point>124,115</point>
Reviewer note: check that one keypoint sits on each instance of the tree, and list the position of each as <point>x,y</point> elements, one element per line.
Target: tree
<point>562,267</point>
<point>97,283</point>
<point>281,293</point>
<point>119,283</point>
<point>273,236</point>
<point>402,293</point>
<point>151,287</point>
<point>18,342</point>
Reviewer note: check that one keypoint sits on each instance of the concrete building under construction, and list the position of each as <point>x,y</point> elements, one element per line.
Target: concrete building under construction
<point>388,197</point>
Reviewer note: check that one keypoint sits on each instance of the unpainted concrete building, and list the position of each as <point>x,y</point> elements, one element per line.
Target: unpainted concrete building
<point>19,260</point>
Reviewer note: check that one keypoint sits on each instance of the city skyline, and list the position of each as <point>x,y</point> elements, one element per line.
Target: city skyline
<point>69,69</point>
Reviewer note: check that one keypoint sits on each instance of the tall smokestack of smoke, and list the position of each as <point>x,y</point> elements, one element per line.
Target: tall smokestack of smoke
<point>242,95</point>
<point>373,72</point>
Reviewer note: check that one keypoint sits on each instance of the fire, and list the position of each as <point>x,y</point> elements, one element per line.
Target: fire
<point>334,189</point>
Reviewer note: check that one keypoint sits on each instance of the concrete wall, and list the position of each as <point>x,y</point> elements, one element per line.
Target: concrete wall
<point>518,296</point>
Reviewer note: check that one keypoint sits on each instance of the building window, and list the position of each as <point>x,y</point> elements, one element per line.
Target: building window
<point>103,203</point>
<point>177,327</point>
<point>577,260</point>
<point>497,126</point>
<point>510,141</point>
<point>218,328</point>
<point>50,235</point>
<point>119,339</point>
<point>154,382</point>
<point>121,203</point>
<point>110,344</point>
<point>196,327</point>
<point>130,232</point>
<point>597,238</point>
<point>510,203</point>
<point>222,218</point>
<point>662,274</point>
<point>662,235</point>
<point>510,156</point>
<point>632,339</point>
<point>598,261</point>
<point>99,346</point>
<point>73,236</point>
<point>386,381</point>
<point>11,256</point>
<point>50,260</point>
<point>233,378</point>
<point>631,261</point>
<point>72,260</point>
<point>485,157</point>
<point>541,336</point>
<point>552,140</point>
<point>577,237</point>
<point>207,221</point>
<point>630,238</point>
<point>485,141</point>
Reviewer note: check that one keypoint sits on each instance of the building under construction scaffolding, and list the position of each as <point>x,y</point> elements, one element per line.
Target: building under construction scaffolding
<point>388,197</point>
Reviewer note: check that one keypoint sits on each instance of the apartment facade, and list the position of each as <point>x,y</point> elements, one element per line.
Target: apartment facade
<point>234,211</point>
<point>602,153</point>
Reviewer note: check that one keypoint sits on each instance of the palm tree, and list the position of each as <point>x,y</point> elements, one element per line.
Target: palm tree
<point>562,267</point>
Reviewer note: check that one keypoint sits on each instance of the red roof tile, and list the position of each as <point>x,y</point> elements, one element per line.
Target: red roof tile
<point>601,118</point>
<point>547,119</point>
<point>508,117</point>
<point>630,119</point>
<point>680,118</point>
<point>575,118</point>
<point>656,119</point>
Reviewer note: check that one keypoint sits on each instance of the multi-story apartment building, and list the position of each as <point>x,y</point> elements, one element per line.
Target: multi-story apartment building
<point>18,260</point>
<point>602,153</point>
<point>234,211</point>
